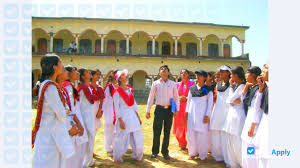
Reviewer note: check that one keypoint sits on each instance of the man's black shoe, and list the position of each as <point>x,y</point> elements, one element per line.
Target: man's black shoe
<point>167,157</point>
<point>153,156</point>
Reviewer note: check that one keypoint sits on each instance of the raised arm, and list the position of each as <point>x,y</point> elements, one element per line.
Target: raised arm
<point>233,95</point>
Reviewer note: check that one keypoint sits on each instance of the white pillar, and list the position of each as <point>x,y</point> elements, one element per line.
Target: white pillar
<point>200,47</point>
<point>51,43</point>
<point>77,42</point>
<point>222,48</point>
<point>242,43</point>
<point>153,45</point>
<point>93,45</point>
<point>102,44</point>
<point>176,43</point>
<point>127,44</point>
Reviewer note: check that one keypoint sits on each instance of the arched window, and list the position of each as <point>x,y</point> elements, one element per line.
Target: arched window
<point>98,46</point>
<point>123,47</point>
<point>111,47</point>
<point>165,48</point>
<point>213,49</point>
<point>85,46</point>
<point>226,50</point>
<point>149,48</point>
<point>179,51</point>
<point>191,49</point>
<point>58,45</point>
<point>42,45</point>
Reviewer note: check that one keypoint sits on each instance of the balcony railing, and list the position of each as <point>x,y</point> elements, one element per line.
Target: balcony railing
<point>241,57</point>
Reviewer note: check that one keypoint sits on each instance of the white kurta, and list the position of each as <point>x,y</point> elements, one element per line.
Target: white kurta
<point>52,144</point>
<point>261,141</point>
<point>76,160</point>
<point>233,126</point>
<point>254,115</point>
<point>97,120</point>
<point>217,123</point>
<point>197,131</point>
<point>132,134</point>
<point>87,112</point>
<point>261,138</point>
<point>108,114</point>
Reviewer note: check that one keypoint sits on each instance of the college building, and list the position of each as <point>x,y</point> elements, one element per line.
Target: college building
<point>141,46</point>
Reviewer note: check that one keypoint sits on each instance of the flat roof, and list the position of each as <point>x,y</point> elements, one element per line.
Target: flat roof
<point>150,21</point>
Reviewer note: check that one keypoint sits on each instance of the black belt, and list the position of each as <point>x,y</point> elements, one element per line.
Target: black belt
<point>164,107</point>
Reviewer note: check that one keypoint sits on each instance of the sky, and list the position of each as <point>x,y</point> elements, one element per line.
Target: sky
<point>253,13</point>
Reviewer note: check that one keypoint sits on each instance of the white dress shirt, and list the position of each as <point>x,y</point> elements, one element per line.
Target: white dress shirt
<point>163,91</point>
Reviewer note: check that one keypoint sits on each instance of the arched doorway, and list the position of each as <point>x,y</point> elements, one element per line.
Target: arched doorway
<point>42,45</point>
<point>87,40</point>
<point>62,40</point>
<point>138,81</point>
<point>40,40</point>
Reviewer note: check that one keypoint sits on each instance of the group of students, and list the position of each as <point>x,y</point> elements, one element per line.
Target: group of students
<point>67,117</point>
<point>225,118</point>
<point>228,118</point>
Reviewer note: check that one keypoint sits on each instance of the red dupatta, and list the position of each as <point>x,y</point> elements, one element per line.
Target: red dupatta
<point>98,92</point>
<point>67,83</point>
<point>86,92</point>
<point>128,99</point>
<point>185,92</point>
<point>67,97</point>
<point>180,120</point>
<point>40,108</point>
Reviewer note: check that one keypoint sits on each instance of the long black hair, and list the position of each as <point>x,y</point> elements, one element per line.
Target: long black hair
<point>239,71</point>
<point>110,78</point>
<point>47,63</point>
<point>69,68</point>
<point>93,72</point>
<point>81,71</point>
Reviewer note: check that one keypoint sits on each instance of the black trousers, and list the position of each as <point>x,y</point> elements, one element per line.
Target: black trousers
<point>162,117</point>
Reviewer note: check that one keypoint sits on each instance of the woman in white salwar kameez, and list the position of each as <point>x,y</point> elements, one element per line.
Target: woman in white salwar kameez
<point>261,138</point>
<point>76,161</point>
<point>98,96</point>
<point>128,123</point>
<point>87,111</point>
<point>51,139</point>
<point>108,113</point>
<point>218,117</point>
<point>253,113</point>
<point>199,107</point>
<point>236,117</point>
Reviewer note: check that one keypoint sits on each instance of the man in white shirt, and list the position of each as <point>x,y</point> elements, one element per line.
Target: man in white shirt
<point>71,48</point>
<point>74,48</point>
<point>163,90</point>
